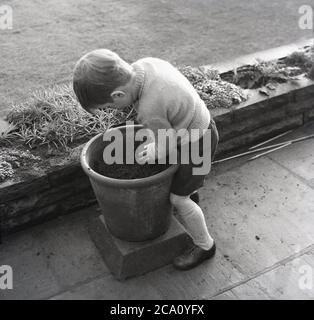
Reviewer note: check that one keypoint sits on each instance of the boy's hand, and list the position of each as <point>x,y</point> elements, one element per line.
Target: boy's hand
<point>148,155</point>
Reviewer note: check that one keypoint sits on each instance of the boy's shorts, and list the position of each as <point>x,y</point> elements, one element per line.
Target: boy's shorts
<point>184,182</point>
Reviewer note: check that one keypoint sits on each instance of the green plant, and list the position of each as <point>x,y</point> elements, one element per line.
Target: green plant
<point>53,117</point>
<point>6,170</point>
<point>12,158</point>
<point>264,73</point>
<point>260,74</point>
<point>215,92</point>
<point>301,59</point>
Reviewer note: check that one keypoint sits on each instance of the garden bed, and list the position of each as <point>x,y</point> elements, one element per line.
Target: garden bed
<point>47,182</point>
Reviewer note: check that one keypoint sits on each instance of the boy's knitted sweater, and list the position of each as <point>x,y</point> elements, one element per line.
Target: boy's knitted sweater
<point>166,98</point>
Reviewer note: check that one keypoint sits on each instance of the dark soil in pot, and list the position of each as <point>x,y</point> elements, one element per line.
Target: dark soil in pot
<point>128,171</point>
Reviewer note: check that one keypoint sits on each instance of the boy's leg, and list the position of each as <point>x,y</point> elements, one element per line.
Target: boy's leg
<point>193,220</point>
<point>184,185</point>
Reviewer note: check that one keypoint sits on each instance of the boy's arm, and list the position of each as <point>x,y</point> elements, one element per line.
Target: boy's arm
<point>164,137</point>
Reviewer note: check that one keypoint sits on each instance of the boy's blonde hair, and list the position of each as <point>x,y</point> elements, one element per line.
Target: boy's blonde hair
<point>96,75</point>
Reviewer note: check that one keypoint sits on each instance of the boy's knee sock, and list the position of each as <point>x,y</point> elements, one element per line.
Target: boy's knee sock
<point>194,220</point>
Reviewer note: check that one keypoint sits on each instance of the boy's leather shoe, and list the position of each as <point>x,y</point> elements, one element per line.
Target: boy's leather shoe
<point>193,257</point>
<point>195,197</point>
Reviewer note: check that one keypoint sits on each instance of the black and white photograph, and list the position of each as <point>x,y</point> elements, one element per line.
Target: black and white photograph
<point>156,150</point>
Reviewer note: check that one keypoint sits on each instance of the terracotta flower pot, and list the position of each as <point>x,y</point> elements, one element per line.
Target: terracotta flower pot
<point>133,209</point>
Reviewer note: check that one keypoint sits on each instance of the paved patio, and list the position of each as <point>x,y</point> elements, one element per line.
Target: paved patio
<point>260,212</point>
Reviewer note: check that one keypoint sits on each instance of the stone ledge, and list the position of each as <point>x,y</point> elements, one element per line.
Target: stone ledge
<point>65,187</point>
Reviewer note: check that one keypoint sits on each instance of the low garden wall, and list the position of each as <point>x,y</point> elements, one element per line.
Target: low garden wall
<point>64,187</point>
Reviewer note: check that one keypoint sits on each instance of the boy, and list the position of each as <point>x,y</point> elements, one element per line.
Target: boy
<point>163,99</point>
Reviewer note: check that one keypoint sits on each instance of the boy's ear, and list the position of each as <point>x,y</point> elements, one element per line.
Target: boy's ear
<point>117,94</point>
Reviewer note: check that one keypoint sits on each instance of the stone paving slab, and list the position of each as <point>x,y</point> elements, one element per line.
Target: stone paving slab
<point>259,214</point>
<point>108,288</point>
<point>294,155</point>
<point>198,283</point>
<point>70,253</point>
<point>293,280</point>
<point>32,278</point>
<point>165,283</point>
<point>298,158</point>
<point>51,257</point>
